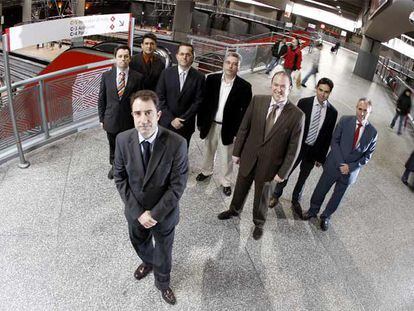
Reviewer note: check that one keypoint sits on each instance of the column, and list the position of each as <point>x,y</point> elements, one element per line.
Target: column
<point>1,16</point>
<point>182,19</point>
<point>367,58</point>
<point>27,11</point>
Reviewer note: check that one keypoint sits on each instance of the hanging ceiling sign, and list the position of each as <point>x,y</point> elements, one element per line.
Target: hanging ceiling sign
<point>66,28</point>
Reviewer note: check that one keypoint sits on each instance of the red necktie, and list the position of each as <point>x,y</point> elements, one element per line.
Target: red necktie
<point>356,135</point>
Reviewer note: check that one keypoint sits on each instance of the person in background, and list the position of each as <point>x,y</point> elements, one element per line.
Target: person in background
<point>293,58</point>
<point>409,168</point>
<point>402,110</point>
<point>279,49</point>
<point>315,58</point>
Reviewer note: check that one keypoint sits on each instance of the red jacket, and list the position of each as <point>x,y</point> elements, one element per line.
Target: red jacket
<point>290,57</point>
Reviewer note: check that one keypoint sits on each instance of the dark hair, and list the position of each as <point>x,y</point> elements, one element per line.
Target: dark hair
<point>319,44</point>
<point>186,44</point>
<point>149,35</point>
<point>146,95</point>
<point>326,81</point>
<point>407,90</point>
<point>122,47</point>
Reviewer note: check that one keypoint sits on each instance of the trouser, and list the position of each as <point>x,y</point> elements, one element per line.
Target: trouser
<point>400,121</point>
<point>273,63</point>
<point>306,166</point>
<point>324,184</point>
<point>313,71</point>
<point>241,190</point>
<point>405,175</point>
<point>213,144</point>
<point>158,256</point>
<point>111,141</point>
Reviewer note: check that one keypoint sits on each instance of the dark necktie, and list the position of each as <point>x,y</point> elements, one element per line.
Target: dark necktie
<point>270,120</point>
<point>356,135</point>
<point>146,154</point>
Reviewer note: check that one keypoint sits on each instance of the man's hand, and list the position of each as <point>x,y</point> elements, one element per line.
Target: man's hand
<point>344,168</point>
<point>278,179</point>
<point>177,123</point>
<point>318,164</point>
<point>236,160</point>
<point>146,220</point>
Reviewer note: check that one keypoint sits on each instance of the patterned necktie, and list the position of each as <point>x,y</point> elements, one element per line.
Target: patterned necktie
<point>356,135</point>
<point>121,84</point>
<point>313,128</point>
<point>182,80</point>
<point>270,120</point>
<point>146,154</point>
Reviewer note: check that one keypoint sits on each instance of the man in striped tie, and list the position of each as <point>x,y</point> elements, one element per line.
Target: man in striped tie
<point>114,108</point>
<point>320,119</point>
<point>353,143</point>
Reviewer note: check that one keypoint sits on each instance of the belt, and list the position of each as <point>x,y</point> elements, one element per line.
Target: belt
<point>217,122</point>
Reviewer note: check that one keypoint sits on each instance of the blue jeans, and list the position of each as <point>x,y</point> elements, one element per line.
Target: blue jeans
<point>313,71</point>
<point>400,123</point>
<point>273,63</point>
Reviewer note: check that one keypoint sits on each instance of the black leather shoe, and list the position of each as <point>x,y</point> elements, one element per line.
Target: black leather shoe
<point>168,296</point>
<point>111,173</point>
<point>257,233</point>
<point>324,224</point>
<point>308,216</point>
<point>304,85</point>
<point>227,215</point>
<point>201,177</point>
<point>297,209</point>
<point>274,202</point>
<point>405,182</point>
<point>142,271</point>
<point>227,191</point>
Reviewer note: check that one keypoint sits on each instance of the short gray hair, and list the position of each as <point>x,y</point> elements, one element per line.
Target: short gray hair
<point>365,100</point>
<point>281,73</point>
<point>235,55</point>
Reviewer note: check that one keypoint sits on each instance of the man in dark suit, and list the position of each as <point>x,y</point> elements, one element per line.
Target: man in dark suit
<point>225,102</point>
<point>279,49</point>
<point>180,90</point>
<point>353,143</point>
<point>151,167</point>
<point>320,119</point>
<point>149,64</point>
<point>267,145</point>
<point>114,109</point>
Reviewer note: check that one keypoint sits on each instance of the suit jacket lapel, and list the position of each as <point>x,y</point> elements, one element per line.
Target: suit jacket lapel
<point>129,84</point>
<point>280,120</point>
<point>264,108</point>
<point>156,155</point>
<point>114,81</point>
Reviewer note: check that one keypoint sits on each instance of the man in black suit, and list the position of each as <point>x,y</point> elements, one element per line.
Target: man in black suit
<point>180,89</point>
<point>149,64</point>
<point>225,102</point>
<point>114,109</point>
<point>320,119</point>
<point>151,168</point>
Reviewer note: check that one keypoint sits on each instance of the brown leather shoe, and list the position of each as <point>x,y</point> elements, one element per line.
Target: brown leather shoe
<point>168,296</point>
<point>274,202</point>
<point>142,271</point>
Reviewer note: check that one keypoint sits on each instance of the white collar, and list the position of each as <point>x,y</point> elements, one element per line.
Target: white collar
<point>316,102</point>
<point>181,70</point>
<point>224,80</point>
<point>118,71</point>
<point>280,104</point>
<point>150,140</point>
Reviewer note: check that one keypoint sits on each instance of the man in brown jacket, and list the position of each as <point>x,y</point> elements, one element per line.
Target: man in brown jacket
<point>267,145</point>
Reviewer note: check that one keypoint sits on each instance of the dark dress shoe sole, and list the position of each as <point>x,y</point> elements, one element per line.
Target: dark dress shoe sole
<point>202,177</point>
<point>168,296</point>
<point>257,233</point>
<point>226,215</point>
<point>142,271</point>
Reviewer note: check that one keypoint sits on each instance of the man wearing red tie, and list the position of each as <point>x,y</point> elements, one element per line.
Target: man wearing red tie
<point>114,109</point>
<point>353,143</point>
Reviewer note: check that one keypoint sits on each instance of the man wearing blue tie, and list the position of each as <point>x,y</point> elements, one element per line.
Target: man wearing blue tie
<point>353,143</point>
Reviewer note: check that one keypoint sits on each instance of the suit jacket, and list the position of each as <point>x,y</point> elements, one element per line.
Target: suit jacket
<point>176,104</point>
<point>276,153</point>
<point>150,72</point>
<point>161,187</point>
<point>115,112</point>
<point>321,146</point>
<point>342,152</point>
<point>234,109</point>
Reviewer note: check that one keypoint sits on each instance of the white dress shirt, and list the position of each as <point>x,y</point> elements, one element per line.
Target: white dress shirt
<point>317,105</point>
<point>225,89</point>
<point>278,111</point>
<point>150,140</point>
<point>361,130</point>
<point>180,72</point>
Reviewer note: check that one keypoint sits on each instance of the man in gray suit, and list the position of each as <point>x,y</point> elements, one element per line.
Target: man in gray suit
<point>266,147</point>
<point>353,143</point>
<point>150,170</point>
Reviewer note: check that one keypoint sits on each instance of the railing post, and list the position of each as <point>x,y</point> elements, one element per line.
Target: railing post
<point>23,163</point>
<point>45,126</point>
<point>131,35</point>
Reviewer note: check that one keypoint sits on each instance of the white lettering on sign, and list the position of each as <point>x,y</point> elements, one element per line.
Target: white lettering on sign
<point>66,28</point>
